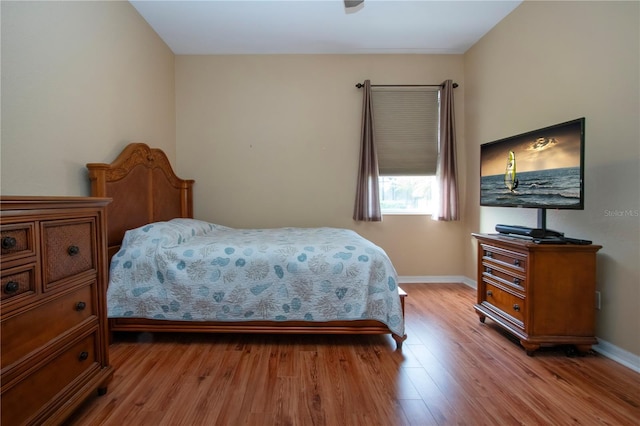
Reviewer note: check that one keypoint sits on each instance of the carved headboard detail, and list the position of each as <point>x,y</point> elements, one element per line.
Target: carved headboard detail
<point>144,189</point>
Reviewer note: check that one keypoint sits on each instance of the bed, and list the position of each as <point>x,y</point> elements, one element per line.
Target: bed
<point>170,272</point>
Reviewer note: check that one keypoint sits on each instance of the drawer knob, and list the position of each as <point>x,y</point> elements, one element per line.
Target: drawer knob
<point>516,262</point>
<point>488,254</point>
<point>73,250</point>
<point>488,270</point>
<point>516,307</point>
<point>489,293</point>
<point>8,243</point>
<point>11,287</point>
<point>83,356</point>
<point>516,281</point>
<point>80,306</point>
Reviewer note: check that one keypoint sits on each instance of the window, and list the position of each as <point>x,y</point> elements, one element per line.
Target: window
<point>407,194</point>
<point>406,130</point>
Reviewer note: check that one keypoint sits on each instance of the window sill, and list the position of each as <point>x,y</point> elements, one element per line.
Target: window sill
<point>401,213</point>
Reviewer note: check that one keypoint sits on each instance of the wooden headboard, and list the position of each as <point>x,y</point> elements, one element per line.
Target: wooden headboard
<point>143,188</point>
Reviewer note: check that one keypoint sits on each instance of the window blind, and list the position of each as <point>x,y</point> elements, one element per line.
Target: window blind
<point>406,129</point>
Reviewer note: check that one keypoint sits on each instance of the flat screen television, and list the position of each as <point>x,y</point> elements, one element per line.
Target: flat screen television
<point>541,169</point>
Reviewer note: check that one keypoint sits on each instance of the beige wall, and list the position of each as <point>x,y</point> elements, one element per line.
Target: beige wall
<point>79,81</point>
<point>550,62</point>
<point>274,141</point>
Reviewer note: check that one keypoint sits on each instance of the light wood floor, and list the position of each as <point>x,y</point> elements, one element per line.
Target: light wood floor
<point>452,370</point>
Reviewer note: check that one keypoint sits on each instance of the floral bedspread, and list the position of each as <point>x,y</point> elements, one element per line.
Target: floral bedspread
<point>186,269</point>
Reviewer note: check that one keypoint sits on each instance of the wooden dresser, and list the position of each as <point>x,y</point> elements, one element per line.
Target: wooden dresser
<point>53,313</point>
<point>542,293</point>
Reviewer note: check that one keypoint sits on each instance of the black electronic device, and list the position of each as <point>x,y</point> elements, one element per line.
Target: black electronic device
<point>526,231</point>
<point>541,169</point>
<point>549,240</point>
<point>561,240</point>
<point>577,241</point>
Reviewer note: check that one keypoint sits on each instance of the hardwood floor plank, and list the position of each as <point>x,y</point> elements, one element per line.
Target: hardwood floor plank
<point>312,393</point>
<point>452,370</point>
<point>417,413</point>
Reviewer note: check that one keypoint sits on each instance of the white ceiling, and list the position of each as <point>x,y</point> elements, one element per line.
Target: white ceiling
<point>209,27</point>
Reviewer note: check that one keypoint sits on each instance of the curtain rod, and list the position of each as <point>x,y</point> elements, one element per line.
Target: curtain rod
<point>360,85</point>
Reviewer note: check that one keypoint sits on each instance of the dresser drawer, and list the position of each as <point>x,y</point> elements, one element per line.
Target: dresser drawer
<point>505,276</point>
<point>25,332</point>
<point>509,305</point>
<point>17,241</point>
<point>513,260</point>
<point>68,249</point>
<point>19,281</point>
<point>20,402</point>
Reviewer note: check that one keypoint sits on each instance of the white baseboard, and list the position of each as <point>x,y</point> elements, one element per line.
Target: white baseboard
<point>618,355</point>
<point>603,347</point>
<point>437,279</point>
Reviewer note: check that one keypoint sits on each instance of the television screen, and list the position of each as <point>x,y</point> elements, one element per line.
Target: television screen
<point>539,169</point>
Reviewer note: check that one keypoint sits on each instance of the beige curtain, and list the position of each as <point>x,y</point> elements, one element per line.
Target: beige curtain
<point>367,206</point>
<point>448,206</point>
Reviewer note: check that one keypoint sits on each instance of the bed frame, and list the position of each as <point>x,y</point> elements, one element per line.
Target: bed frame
<point>145,189</point>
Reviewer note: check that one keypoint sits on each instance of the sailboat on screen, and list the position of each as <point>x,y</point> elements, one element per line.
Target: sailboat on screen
<point>510,178</point>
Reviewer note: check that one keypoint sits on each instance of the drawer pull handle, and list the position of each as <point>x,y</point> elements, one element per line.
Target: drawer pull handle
<point>489,293</point>
<point>489,270</point>
<point>83,356</point>
<point>488,254</point>
<point>8,243</point>
<point>73,250</point>
<point>516,262</point>
<point>516,307</point>
<point>80,306</point>
<point>516,281</point>
<point>11,287</point>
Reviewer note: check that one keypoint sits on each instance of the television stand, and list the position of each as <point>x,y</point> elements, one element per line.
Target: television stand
<point>544,294</point>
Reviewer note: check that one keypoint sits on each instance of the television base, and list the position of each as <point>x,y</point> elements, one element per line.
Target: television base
<point>528,232</point>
